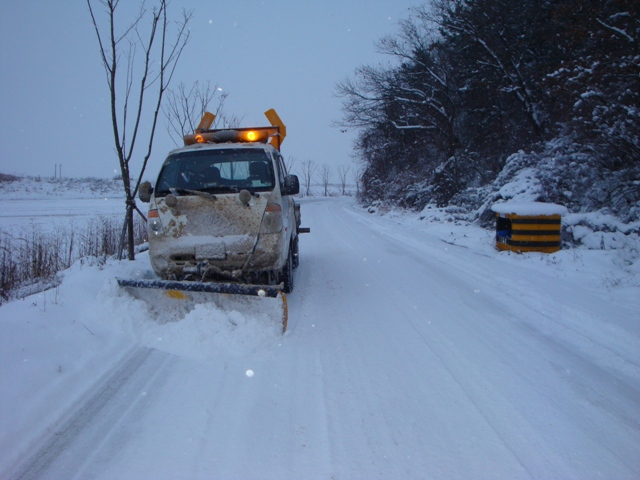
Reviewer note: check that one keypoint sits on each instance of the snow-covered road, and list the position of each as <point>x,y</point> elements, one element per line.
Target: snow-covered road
<point>409,354</point>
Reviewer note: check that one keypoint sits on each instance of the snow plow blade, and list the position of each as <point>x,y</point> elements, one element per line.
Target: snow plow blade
<point>197,292</point>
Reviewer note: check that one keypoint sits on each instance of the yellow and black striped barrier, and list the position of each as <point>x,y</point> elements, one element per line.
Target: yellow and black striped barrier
<point>528,227</point>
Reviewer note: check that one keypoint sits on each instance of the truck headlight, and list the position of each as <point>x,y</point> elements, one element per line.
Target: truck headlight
<point>272,220</point>
<point>153,222</point>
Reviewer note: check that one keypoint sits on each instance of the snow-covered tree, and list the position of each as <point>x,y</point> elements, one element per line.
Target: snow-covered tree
<point>475,81</point>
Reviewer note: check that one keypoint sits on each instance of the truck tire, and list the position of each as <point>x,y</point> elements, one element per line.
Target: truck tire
<point>287,273</point>
<point>296,254</point>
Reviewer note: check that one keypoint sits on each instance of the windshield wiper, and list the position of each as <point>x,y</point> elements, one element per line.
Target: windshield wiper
<point>200,193</point>
<point>224,189</point>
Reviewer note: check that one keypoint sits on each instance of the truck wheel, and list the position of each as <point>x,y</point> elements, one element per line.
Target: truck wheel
<point>287,273</point>
<point>296,254</point>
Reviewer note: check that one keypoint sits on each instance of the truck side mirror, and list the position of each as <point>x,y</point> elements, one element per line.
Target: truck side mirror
<point>145,191</point>
<point>291,185</point>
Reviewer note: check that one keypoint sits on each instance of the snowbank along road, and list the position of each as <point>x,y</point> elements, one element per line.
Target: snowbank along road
<point>409,354</point>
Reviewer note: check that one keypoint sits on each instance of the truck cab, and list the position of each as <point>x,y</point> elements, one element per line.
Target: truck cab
<point>222,210</point>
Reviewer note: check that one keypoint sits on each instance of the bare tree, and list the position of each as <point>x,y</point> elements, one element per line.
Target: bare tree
<point>343,171</point>
<point>224,120</point>
<point>185,107</point>
<point>357,178</point>
<point>505,52</point>
<point>290,163</point>
<point>308,169</point>
<point>142,76</point>
<point>326,176</point>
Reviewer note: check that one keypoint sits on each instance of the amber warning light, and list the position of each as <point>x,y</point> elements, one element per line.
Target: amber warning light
<point>274,134</point>
<point>261,135</point>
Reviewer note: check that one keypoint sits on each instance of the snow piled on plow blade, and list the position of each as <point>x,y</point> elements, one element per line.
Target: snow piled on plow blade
<point>202,324</point>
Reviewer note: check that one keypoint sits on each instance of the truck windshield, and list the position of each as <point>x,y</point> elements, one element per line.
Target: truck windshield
<point>223,170</point>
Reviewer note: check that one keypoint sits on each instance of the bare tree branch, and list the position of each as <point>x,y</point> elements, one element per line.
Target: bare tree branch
<point>152,40</point>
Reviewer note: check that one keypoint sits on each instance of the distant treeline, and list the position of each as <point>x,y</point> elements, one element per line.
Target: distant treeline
<point>478,80</point>
<point>4,177</point>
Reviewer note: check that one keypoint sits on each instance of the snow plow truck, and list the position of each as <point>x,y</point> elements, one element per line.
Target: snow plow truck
<point>222,220</point>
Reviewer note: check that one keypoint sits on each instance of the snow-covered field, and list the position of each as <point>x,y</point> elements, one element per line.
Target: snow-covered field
<point>414,350</point>
<point>46,203</point>
<point>59,212</point>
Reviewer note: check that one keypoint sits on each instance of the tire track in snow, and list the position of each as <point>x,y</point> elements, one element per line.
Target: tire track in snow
<point>484,337</point>
<point>360,385</point>
<point>548,327</point>
<point>88,432</point>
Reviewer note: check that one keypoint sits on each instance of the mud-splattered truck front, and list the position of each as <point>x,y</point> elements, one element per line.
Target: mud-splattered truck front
<point>222,209</point>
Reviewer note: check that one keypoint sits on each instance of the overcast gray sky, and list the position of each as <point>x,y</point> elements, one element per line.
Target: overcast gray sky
<point>285,54</point>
